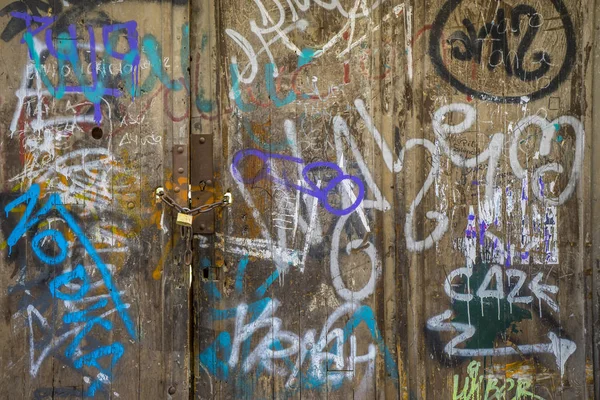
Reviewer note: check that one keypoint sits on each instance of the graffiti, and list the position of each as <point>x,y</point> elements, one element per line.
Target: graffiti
<point>73,286</point>
<point>353,203</point>
<point>395,166</point>
<point>477,326</point>
<point>232,354</point>
<point>67,55</point>
<point>392,239</point>
<point>491,154</point>
<point>95,69</point>
<point>475,388</point>
<point>277,26</point>
<point>544,227</point>
<point>561,348</point>
<point>17,25</point>
<point>303,85</point>
<point>469,46</point>
<point>273,85</point>
<point>538,241</point>
<point>32,111</point>
<point>501,52</point>
<point>312,188</point>
<point>37,8</point>
<point>495,273</point>
<point>89,176</point>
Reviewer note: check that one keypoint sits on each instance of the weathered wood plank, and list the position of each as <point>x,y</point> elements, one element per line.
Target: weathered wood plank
<point>414,199</point>
<point>90,124</point>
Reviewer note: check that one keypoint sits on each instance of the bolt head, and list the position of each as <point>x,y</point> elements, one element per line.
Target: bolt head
<point>180,170</point>
<point>177,189</point>
<point>180,149</point>
<point>202,140</point>
<point>172,390</point>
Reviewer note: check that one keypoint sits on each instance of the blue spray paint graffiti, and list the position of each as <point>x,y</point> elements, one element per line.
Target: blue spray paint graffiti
<point>311,188</point>
<point>305,59</point>
<point>66,53</point>
<point>79,278</point>
<point>98,76</point>
<point>232,355</point>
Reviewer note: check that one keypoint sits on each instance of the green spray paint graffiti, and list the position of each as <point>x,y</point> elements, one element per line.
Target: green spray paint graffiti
<point>475,387</point>
<point>493,316</point>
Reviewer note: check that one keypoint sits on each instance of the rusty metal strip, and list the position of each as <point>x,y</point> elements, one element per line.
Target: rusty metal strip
<point>180,173</point>
<point>202,181</point>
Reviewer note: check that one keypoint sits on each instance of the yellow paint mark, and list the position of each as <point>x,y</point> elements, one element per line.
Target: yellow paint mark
<point>520,369</point>
<point>157,274</point>
<point>589,373</point>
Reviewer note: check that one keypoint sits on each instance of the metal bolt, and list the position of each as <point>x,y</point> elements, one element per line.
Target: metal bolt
<point>209,182</point>
<point>202,227</point>
<point>202,140</point>
<point>176,190</point>
<point>180,170</point>
<point>172,390</point>
<point>180,149</point>
<point>130,205</point>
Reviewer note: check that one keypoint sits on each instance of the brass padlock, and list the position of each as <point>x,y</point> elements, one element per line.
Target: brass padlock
<point>184,219</point>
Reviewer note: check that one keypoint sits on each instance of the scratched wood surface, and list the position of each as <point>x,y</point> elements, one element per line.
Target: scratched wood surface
<point>78,342</point>
<point>413,211</point>
<point>481,191</point>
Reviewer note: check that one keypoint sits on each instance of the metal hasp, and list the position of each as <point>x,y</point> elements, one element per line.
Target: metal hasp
<point>180,173</point>
<point>202,181</point>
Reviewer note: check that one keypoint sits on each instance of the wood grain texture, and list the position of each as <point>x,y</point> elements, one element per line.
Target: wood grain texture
<point>414,190</point>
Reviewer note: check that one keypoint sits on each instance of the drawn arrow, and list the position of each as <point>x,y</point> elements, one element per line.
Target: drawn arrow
<point>561,348</point>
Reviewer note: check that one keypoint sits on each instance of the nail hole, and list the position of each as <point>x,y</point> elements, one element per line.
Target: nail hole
<point>97,133</point>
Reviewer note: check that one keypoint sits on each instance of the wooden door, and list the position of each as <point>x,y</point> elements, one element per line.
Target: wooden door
<point>413,190</point>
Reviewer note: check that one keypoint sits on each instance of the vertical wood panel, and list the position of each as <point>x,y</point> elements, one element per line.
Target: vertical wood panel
<point>367,253</point>
<point>106,182</point>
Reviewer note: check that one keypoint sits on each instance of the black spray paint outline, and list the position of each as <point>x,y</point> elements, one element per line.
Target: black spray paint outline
<point>436,57</point>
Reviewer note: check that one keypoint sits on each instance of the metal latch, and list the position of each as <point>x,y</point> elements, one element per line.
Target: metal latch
<point>202,181</point>
<point>185,216</point>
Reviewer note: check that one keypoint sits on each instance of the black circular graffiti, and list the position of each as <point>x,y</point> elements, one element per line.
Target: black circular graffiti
<point>438,62</point>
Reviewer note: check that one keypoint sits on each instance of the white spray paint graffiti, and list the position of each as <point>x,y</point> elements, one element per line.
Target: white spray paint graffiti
<point>489,208</point>
<point>561,348</point>
<point>270,26</point>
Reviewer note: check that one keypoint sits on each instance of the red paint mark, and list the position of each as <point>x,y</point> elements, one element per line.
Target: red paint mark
<point>254,100</point>
<point>346,72</point>
<point>469,98</point>
<point>419,33</point>
<point>346,35</point>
